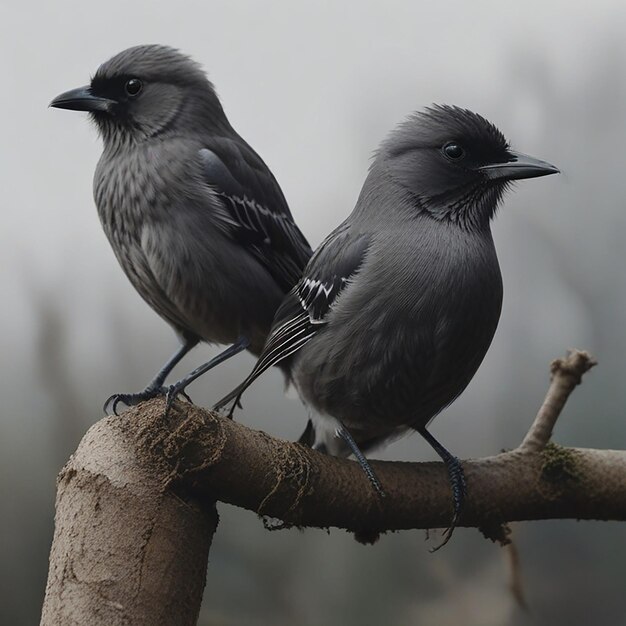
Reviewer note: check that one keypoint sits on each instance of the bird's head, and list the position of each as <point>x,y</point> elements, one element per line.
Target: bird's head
<point>145,91</point>
<point>456,164</point>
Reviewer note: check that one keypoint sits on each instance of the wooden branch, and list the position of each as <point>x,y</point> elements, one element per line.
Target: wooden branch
<point>125,550</point>
<point>566,374</point>
<point>286,481</point>
<point>135,504</point>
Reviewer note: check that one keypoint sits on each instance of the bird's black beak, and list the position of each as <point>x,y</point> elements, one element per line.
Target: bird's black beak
<point>81,99</point>
<point>518,167</point>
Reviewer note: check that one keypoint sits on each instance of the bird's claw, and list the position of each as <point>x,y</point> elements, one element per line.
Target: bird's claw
<point>459,491</point>
<point>171,393</point>
<point>447,534</point>
<point>130,399</point>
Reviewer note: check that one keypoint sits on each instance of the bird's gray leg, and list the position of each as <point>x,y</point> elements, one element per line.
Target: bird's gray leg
<point>155,386</point>
<point>173,390</point>
<point>163,373</point>
<point>457,482</point>
<point>344,433</point>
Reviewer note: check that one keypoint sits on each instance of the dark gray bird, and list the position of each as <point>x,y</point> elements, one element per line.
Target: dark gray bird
<point>396,309</point>
<point>195,217</point>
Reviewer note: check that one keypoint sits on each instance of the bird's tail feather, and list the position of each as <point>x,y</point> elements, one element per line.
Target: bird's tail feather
<point>231,400</point>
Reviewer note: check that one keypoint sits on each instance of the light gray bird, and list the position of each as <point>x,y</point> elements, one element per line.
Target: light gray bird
<point>397,307</point>
<point>195,217</point>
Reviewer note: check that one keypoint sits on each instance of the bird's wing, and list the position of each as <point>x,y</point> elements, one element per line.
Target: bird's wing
<point>253,210</point>
<point>304,311</point>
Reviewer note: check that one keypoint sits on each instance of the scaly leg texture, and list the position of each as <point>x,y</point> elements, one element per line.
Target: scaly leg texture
<point>344,433</point>
<point>457,482</point>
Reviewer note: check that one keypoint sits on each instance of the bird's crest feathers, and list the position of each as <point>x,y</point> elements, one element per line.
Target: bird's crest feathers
<point>147,61</point>
<point>440,123</point>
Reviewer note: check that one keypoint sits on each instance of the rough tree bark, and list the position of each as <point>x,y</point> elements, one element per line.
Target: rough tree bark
<point>136,502</point>
<point>126,550</point>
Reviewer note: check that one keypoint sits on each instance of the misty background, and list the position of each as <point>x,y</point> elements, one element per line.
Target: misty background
<point>314,87</point>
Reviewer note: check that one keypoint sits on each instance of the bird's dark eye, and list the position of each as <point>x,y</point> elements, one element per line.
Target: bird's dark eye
<point>453,151</point>
<point>133,86</point>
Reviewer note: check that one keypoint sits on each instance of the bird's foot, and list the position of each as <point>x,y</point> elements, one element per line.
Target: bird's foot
<point>131,399</point>
<point>459,491</point>
<point>179,388</point>
<point>172,392</point>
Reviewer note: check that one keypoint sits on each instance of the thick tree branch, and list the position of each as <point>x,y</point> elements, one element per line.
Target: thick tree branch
<point>125,550</point>
<point>135,511</point>
<point>283,480</point>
